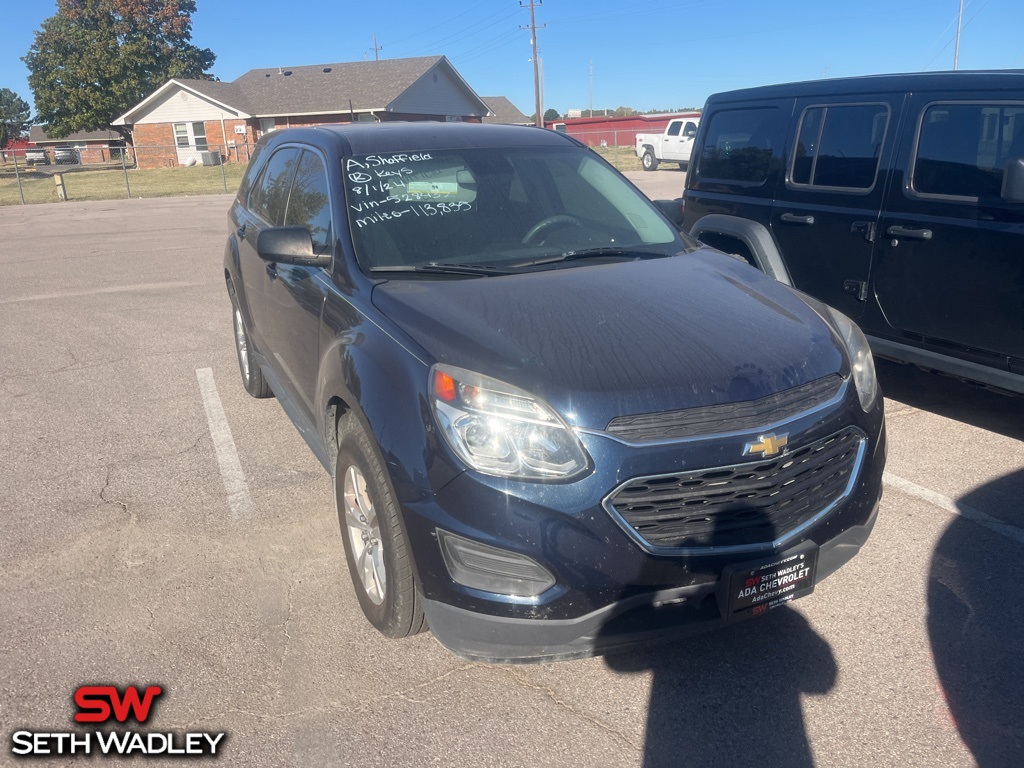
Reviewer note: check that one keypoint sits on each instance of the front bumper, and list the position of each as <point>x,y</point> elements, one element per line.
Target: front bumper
<point>648,618</point>
<point>610,592</point>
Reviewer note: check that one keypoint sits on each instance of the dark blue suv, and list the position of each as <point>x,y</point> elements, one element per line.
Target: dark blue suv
<point>556,426</point>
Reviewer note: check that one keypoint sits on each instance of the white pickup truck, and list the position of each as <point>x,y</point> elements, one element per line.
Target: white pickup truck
<point>672,146</point>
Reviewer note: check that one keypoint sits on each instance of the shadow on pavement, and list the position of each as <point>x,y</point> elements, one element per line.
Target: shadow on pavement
<point>732,697</point>
<point>976,625</point>
<point>952,398</point>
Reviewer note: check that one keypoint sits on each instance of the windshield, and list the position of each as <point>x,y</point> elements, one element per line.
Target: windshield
<point>498,207</point>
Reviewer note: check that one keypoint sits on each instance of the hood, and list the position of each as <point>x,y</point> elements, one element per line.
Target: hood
<point>599,341</point>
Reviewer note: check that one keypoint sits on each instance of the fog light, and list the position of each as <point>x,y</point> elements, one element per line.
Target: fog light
<point>487,568</point>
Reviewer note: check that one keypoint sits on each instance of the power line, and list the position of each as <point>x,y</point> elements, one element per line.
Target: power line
<point>462,34</point>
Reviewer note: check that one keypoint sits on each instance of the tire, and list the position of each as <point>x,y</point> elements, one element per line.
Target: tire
<point>376,546</point>
<point>649,161</point>
<point>252,375</point>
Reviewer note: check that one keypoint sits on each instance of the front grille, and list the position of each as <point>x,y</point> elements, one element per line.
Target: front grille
<point>753,503</point>
<point>727,417</point>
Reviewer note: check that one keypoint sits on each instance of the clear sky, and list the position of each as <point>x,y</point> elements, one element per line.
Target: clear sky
<point>645,55</point>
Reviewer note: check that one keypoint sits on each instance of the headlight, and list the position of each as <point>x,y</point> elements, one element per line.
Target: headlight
<point>501,430</point>
<point>861,361</point>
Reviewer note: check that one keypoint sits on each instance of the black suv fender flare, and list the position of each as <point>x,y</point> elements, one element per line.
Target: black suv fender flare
<point>755,237</point>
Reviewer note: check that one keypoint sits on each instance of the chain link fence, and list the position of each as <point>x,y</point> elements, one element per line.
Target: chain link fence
<point>51,175</point>
<point>38,175</point>
<point>615,146</point>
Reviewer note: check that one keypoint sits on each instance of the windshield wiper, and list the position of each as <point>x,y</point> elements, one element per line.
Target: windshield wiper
<point>588,253</point>
<point>442,268</point>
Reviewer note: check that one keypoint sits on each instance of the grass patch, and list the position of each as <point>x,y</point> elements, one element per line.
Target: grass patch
<point>109,183</point>
<point>623,158</point>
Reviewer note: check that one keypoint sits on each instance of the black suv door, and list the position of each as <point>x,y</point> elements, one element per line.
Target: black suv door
<point>950,266</point>
<point>295,293</point>
<point>825,217</point>
<point>265,207</point>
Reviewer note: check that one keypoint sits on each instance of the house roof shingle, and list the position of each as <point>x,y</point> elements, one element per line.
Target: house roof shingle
<point>317,89</point>
<point>228,94</point>
<point>37,135</point>
<point>505,112</point>
<point>323,87</point>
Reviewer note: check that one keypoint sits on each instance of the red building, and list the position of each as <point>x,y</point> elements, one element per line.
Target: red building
<point>614,131</point>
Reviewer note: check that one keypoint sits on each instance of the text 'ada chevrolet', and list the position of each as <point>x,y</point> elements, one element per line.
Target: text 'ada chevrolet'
<point>556,426</point>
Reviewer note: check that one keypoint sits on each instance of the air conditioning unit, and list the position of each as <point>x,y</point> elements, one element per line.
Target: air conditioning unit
<point>210,158</point>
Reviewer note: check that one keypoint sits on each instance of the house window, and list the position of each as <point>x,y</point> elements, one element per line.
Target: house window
<point>199,134</point>
<point>267,124</point>
<point>181,135</point>
<point>193,135</point>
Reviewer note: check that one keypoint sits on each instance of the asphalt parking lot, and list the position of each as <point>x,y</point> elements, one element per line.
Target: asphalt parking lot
<point>125,562</point>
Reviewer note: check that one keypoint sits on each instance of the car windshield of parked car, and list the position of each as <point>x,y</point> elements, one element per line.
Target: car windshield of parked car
<point>497,209</point>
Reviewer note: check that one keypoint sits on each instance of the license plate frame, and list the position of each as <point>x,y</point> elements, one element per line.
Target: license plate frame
<point>755,587</point>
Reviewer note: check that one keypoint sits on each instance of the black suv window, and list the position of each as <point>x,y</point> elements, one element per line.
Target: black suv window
<point>839,146</point>
<point>270,197</point>
<point>962,149</point>
<point>739,144</point>
<point>309,203</point>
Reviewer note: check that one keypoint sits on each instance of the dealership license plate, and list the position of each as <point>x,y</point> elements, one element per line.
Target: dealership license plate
<point>759,586</point>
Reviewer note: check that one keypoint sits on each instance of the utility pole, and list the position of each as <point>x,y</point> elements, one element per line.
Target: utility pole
<point>376,48</point>
<point>591,88</point>
<point>536,64</point>
<point>959,25</point>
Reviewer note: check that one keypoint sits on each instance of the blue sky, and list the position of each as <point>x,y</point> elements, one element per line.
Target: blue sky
<point>646,55</point>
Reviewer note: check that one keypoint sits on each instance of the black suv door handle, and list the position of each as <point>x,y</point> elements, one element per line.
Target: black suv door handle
<point>272,270</point>
<point>794,218</point>
<point>240,231</point>
<point>910,232</point>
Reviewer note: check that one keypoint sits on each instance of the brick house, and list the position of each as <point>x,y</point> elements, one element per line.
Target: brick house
<point>185,122</point>
<point>94,147</point>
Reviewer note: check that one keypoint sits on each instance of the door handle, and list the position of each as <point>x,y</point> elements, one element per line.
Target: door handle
<point>240,231</point>
<point>909,232</point>
<point>794,218</point>
<point>272,270</point>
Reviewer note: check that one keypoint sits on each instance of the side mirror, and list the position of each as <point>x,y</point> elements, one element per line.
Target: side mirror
<point>1013,181</point>
<point>289,245</point>
<point>673,210</point>
<point>689,133</point>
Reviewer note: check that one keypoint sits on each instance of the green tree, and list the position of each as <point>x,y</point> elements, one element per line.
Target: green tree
<point>14,116</point>
<point>95,59</point>
<point>551,114</point>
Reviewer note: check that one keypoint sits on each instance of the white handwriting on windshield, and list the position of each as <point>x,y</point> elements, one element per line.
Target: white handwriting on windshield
<point>376,161</point>
<point>424,210</point>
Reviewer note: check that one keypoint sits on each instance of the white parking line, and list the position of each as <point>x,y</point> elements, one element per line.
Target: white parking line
<point>224,445</point>
<point>96,291</point>
<point>954,507</point>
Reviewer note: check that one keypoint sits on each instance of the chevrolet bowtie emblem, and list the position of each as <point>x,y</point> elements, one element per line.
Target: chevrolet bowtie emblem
<point>767,445</point>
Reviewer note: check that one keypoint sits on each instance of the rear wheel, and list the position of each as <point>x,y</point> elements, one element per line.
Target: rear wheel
<point>252,375</point>
<point>376,546</point>
<point>649,161</point>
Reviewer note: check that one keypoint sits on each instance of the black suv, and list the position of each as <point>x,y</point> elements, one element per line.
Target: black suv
<point>897,199</point>
<point>555,425</point>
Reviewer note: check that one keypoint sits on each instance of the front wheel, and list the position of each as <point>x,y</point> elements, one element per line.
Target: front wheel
<point>649,161</point>
<point>376,546</point>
